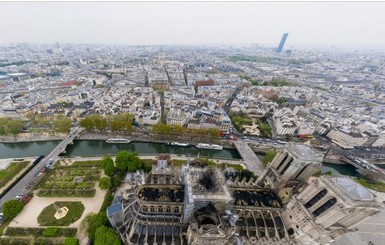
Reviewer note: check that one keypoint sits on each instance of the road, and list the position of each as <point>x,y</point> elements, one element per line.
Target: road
<point>20,187</point>
<point>227,106</point>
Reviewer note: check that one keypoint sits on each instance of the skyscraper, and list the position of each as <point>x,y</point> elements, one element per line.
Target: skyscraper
<point>283,40</point>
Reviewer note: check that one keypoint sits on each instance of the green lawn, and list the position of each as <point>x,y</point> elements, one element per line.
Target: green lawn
<point>46,217</point>
<point>178,162</point>
<point>377,186</point>
<point>11,171</point>
<point>87,163</point>
<point>237,167</point>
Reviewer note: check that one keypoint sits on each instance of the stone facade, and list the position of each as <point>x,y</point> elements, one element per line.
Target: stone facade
<point>328,207</point>
<point>291,167</point>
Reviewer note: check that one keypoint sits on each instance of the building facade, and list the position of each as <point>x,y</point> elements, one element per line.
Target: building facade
<point>291,167</point>
<point>327,208</point>
<point>346,140</point>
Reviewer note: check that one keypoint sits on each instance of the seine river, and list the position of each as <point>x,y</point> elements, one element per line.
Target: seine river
<point>100,147</point>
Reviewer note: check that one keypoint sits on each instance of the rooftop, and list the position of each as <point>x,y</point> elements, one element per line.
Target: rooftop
<point>115,208</point>
<point>354,190</point>
<point>162,194</point>
<point>304,150</point>
<point>258,198</point>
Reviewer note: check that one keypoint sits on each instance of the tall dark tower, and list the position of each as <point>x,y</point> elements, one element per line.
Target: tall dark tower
<point>283,40</point>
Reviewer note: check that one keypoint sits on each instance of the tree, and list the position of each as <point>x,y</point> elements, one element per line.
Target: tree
<point>120,122</point>
<point>61,124</point>
<point>127,161</point>
<point>95,221</point>
<point>269,156</point>
<point>162,129</point>
<point>87,123</point>
<point>121,160</point>
<point>117,180</point>
<point>213,132</point>
<point>12,208</point>
<point>179,130</point>
<point>108,166</point>
<point>10,126</point>
<point>104,183</point>
<point>134,163</point>
<point>105,235</point>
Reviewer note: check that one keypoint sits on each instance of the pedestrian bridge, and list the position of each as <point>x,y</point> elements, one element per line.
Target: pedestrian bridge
<point>251,160</point>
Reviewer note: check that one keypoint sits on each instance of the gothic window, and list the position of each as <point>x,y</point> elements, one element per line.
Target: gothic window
<point>283,160</point>
<point>300,172</point>
<point>287,166</point>
<point>325,207</point>
<point>316,198</point>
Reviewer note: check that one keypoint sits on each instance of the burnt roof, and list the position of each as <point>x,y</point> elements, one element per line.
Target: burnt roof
<point>258,198</point>
<point>162,194</point>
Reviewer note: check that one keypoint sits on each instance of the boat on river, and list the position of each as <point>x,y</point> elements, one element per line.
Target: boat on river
<point>118,140</point>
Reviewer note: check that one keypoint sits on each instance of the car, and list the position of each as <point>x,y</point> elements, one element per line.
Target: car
<point>18,197</point>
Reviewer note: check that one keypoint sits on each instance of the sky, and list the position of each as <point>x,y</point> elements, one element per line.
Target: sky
<point>350,24</point>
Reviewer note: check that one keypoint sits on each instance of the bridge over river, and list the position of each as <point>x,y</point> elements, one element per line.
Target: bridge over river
<point>20,188</point>
<point>251,160</point>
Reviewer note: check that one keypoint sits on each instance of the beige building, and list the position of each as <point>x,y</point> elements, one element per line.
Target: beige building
<point>380,142</point>
<point>176,117</point>
<point>291,167</point>
<point>327,208</point>
<point>285,121</point>
<point>346,140</point>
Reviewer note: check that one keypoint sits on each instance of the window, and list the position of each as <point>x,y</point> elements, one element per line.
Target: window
<point>325,207</point>
<point>316,198</point>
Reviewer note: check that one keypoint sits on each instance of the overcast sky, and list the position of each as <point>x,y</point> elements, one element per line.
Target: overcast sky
<point>352,24</point>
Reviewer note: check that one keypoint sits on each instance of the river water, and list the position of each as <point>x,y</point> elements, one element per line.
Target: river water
<point>100,147</point>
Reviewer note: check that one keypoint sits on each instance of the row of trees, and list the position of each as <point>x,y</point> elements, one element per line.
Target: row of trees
<point>117,123</point>
<point>10,126</point>
<point>40,123</point>
<point>163,129</point>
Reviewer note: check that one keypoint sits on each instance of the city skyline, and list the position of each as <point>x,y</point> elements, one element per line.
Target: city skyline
<point>355,25</point>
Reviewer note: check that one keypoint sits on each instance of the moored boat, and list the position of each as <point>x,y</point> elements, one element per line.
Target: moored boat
<point>209,146</point>
<point>113,140</point>
<point>177,144</point>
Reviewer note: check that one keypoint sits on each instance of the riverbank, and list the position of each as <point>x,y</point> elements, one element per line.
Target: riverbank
<point>135,136</point>
<point>30,137</point>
